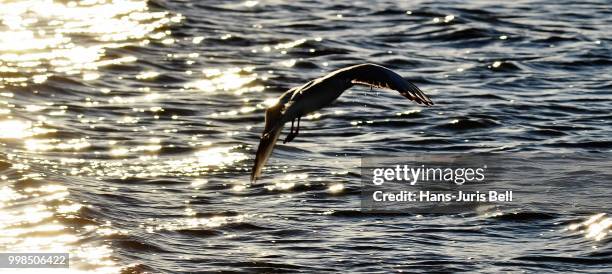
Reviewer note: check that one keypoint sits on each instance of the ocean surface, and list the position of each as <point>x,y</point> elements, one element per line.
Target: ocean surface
<point>128,129</point>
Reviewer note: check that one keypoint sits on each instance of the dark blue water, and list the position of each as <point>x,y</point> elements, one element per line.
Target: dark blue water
<point>128,129</point>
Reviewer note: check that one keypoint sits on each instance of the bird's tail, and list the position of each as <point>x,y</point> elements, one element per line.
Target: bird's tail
<point>268,140</point>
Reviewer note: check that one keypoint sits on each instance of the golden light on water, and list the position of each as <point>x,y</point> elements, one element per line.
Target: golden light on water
<point>288,182</point>
<point>218,156</point>
<point>289,63</point>
<point>288,45</point>
<point>17,129</point>
<point>193,223</point>
<point>336,188</point>
<point>596,227</point>
<point>26,227</point>
<point>235,79</point>
<point>40,39</point>
<point>14,129</point>
<point>56,144</point>
<point>199,183</point>
<point>147,75</point>
<point>251,3</point>
<point>242,110</point>
<point>129,162</point>
<point>37,38</point>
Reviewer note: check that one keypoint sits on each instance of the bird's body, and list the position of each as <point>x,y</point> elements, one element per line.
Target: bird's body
<point>321,92</point>
<point>313,96</point>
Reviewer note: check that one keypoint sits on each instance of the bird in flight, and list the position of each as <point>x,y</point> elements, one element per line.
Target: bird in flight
<point>321,92</point>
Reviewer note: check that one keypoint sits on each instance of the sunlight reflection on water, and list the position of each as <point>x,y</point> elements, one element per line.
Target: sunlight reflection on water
<point>38,40</point>
<point>595,228</point>
<point>16,129</point>
<point>132,115</point>
<point>36,37</point>
<point>26,227</point>
<point>234,79</point>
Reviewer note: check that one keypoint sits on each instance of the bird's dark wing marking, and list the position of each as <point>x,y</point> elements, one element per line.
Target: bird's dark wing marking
<point>381,77</point>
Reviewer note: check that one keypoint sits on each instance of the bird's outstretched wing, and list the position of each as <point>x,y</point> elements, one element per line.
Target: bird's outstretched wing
<point>268,139</point>
<point>381,77</point>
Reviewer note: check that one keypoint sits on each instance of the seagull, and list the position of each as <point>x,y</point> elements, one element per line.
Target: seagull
<point>319,93</point>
